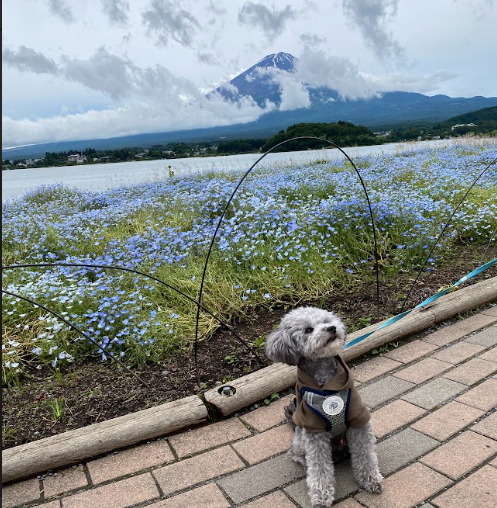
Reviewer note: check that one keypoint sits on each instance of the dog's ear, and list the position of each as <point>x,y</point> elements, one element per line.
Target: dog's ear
<point>279,347</point>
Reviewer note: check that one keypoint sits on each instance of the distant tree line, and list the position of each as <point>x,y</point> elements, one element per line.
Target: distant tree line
<point>481,122</point>
<point>340,133</point>
<point>166,151</point>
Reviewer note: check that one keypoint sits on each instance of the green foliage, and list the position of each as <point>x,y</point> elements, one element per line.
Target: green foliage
<point>274,396</point>
<point>485,121</point>
<point>240,146</point>
<point>8,433</point>
<point>385,349</point>
<point>58,407</point>
<point>340,133</point>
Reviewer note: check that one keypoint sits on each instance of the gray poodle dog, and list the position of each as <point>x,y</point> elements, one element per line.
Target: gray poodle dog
<point>327,406</point>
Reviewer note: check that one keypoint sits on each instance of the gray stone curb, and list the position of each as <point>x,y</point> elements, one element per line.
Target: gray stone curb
<point>73,446</point>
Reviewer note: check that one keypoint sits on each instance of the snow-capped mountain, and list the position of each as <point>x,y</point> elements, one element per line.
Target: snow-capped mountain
<point>263,83</point>
<point>258,81</point>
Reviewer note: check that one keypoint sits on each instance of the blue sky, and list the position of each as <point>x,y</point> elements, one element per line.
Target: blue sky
<point>103,68</point>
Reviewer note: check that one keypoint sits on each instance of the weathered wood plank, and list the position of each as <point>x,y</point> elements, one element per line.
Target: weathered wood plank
<point>276,377</point>
<point>76,445</point>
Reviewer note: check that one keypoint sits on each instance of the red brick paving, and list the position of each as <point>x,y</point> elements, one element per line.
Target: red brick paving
<point>200,468</point>
<point>478,490</point>
<point>65,481</point>
<point>129,461</point>
<point>483,396</point>
<point>208,496</point>
<point>406,488</point>
<point>374,368</point>
<point>461,454</point>
<point>20,493</point>
<point>208,436</point>
<point>446,421</point>
<point>265,445</point>
<point>394,416</point>
<point>121,494</point>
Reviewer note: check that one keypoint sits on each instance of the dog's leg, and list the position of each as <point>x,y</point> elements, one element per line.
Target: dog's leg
<point>362,443</point>
<point>297,449</point>
<point>320,469</point>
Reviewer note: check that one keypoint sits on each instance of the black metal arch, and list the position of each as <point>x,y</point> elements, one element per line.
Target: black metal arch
<point>201,290</point>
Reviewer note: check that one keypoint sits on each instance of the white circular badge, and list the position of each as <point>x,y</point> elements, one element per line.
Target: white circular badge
<point>333,405</point>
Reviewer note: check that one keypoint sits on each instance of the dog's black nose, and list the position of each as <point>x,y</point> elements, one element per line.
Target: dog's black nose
<point>331,329</point>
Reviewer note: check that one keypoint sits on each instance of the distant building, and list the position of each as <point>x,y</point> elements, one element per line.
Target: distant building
<point>463,125</point>
<point>76,157</point>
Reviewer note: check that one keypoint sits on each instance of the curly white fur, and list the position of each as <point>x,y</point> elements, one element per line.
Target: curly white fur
<point>310,338</point>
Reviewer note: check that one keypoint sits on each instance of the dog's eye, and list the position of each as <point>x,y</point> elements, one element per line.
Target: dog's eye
<point>309,330</point>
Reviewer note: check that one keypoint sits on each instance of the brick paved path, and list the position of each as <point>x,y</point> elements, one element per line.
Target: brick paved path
<point>433,405</point>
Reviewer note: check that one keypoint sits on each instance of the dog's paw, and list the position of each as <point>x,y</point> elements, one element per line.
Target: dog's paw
<point>374,488</point>
<point>322,504</point>
<point>373,485</point>
<point>322,499</point>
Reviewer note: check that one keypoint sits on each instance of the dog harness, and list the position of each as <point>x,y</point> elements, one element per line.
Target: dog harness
<point>332,407</point>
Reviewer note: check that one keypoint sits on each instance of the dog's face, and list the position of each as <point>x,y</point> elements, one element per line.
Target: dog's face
<point>306,332</point>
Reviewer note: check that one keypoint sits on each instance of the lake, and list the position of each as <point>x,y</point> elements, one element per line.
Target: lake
<point>99,177</point>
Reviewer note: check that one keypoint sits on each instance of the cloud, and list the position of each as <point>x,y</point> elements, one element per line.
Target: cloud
<point>129,119</point>
<point>102,72</point>
<point>316,69</point>
<point>294,94</point>
<point>270,22</point>
<point>27,60</point>
<point>217,8</point>
<point>167,20</point>
<point>311,39</point>
<point>369,16</point>
<point>147,99</point>
<point>427,83</point>
<point>206,58</point>
<point>60,9</point>
<point>112,75</point>
<point>116,11</point>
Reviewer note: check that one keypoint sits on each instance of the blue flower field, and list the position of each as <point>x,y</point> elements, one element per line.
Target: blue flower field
<point>291,234</point>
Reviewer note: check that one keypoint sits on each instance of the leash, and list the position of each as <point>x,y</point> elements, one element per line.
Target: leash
<point>431,299</point>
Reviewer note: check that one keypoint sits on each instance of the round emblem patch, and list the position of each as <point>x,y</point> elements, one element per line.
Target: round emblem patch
<point>333,405</point>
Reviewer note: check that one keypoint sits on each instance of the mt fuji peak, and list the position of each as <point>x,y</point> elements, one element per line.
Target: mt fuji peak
<point>283,61</point>
<point>257,81</point>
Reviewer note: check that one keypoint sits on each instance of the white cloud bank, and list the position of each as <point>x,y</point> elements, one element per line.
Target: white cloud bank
<point>146,100</point>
